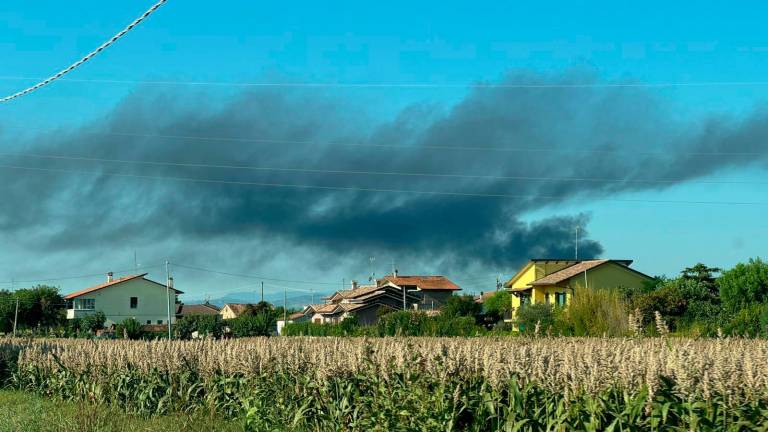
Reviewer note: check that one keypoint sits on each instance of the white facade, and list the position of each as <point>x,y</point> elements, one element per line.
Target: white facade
<point>138,298</point>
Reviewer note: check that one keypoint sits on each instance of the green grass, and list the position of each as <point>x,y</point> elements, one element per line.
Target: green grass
<point>21,412</point>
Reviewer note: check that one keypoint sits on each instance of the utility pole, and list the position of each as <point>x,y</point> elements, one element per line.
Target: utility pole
<point>285,305</point>
<point>135,262</point>
<point>16,316</point>
<point>168,295</point>
<point>576,247</point>
<point>262,291</point>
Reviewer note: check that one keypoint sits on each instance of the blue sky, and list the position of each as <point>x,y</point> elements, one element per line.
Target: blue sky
<point>427,42</point>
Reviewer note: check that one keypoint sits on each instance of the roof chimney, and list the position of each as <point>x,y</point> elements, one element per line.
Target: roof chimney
<point>109,277</point>
<point>354,284</point>
<point>170,282</point>
<point>396,272</point>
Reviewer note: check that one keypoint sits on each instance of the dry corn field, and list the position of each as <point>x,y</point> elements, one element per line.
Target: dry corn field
<point>733,371</point>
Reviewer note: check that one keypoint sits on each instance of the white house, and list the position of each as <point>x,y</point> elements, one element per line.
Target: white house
<point>127,297</point>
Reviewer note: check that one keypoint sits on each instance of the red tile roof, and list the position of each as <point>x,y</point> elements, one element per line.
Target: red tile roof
<point>569,272</point>
<point>422,282</point>
<point>324,308</point>
<point>296,315</point>
<point>197,309</point>
<point>357,292</point>
<point>109,284</point>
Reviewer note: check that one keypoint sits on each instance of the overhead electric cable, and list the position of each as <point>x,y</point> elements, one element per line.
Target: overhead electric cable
<point>88,56</point>
<point>377,173</point>
<point>578,150</point>
<point>412,85</point>
<point>53,279</point>
<point>366,189</point>
<point>249,276</point>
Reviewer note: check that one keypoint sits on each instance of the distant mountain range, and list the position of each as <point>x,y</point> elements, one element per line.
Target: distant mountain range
<point>293,300</point>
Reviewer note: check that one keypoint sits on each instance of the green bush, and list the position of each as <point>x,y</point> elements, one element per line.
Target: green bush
<point>417,323</point>
<point>260,324</point>
<point>93,322</point>
<point>597,312</point>
<point>544,315</point>
<point>204,325</point>
<point>347,327</point>
<point>752,321</point>
<point>129,329</point>
<point>462,306</point>
<point>497,306</point>
<point>744,285</point>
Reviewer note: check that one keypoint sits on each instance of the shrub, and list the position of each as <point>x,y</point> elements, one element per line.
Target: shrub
<point>497,306</point>
<point>461,306</point>
<point>91,323</point>
<point>541,314</point>
<point>751,321</point>
<point>744,285</point>
<point>261,324</point>
<point>204,325</point>
<point>597,312</point>
<point>347,327</point>
<point>129,329</point>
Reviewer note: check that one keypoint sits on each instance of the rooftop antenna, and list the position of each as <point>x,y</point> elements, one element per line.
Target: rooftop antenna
<point>373,272</point>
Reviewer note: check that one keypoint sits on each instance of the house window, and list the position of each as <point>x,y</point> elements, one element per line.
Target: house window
<point>159,321</point>
<point>560,299</point>
<point>85,304</point>
<point>134,302</point>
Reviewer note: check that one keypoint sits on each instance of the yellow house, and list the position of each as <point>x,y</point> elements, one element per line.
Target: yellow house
<point>554,281</point>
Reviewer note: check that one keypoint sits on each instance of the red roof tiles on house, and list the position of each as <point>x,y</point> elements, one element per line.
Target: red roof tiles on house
<point>109,284</point>
<point>569,272</point>
<point>197,309</point>
<point>422,282</point>
<point>296,315</point>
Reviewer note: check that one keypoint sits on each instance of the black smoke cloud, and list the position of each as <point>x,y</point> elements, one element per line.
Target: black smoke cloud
<point>544,134</point>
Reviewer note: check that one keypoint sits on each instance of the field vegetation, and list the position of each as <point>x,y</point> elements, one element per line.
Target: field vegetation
<point>412,383</point>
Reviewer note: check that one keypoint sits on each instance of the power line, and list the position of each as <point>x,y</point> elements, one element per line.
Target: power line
<point>378,173</point>
<point>376,190</point>
<point>249,276</point>
<point>405,85</point>
<point>53,279</point>
<point>419,147</point>
<point>88,56</point>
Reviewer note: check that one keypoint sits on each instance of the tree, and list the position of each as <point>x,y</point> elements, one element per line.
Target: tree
<point>541,314</point>
<point>255,309</point>
<point>461,306</point>
<point>702,274</point>
<point>260,324</point>
<point>131,329</point>
<point>93,322</point>
<point>744,285</point>
<point>498,305</point>
<point>597,312</point>
<point>667,300</point>
<point>204,325</point>
<point>40,306</point>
